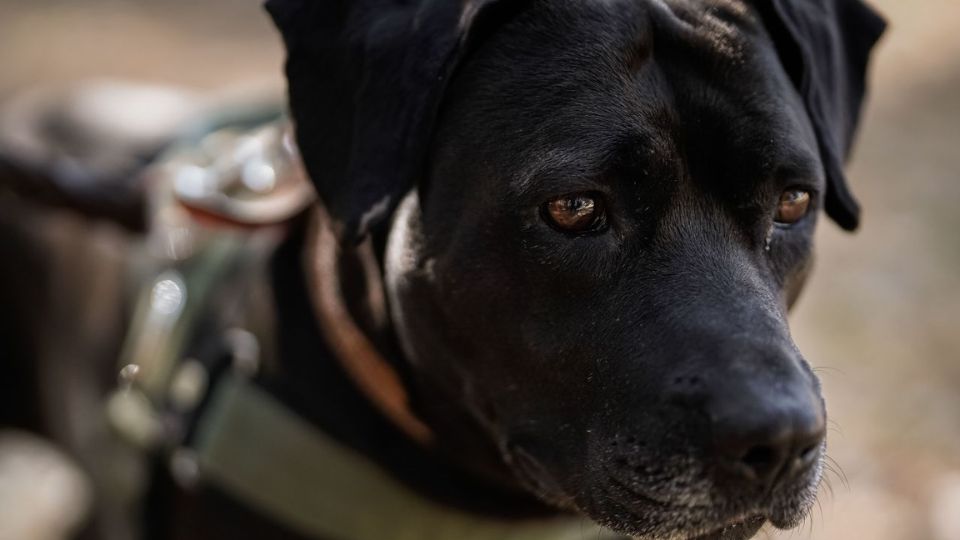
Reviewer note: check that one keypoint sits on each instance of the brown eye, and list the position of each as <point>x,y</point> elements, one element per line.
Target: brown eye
<point>793,206</point>
<point>575,212</point>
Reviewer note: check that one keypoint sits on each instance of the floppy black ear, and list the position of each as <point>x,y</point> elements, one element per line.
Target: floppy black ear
<point>825,47</point>
<point>365,81</point>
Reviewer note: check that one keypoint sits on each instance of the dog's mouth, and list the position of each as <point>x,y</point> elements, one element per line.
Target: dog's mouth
<point>724,519</point>
<point>645,518</point>
<point>676,497</point>
<point>736,529</point>
<point>741,527</point>
<point>694,507</point>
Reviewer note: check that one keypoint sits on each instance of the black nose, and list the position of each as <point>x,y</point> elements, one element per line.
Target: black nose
<point>764,437</point>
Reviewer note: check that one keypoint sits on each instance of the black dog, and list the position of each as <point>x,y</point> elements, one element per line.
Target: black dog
<point>601,211</point>
<point>613,206</point>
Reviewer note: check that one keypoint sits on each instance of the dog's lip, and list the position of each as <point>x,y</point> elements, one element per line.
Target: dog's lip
<point>704,524</point>
<point>783,508</point>
<point>739,528</point>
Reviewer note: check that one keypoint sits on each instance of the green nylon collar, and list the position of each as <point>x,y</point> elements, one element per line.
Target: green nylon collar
<point>258,451</point>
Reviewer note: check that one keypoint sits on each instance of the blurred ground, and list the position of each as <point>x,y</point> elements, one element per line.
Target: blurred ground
<point>879,319</point>
<point>881,314</point>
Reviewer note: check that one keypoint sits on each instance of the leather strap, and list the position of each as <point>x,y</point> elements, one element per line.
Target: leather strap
<point>371,372</point>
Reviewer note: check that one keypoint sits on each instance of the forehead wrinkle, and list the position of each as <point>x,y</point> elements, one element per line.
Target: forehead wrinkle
<point>642,149</point>
<point>559,162</point>
<point>714,25</point>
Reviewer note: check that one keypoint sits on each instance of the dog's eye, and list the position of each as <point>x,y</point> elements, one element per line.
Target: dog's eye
<point>793,206</point>
<point>575,212</point>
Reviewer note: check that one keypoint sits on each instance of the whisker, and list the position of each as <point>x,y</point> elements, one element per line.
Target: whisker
<point>835,427</point>
<point>829,485</point>
<point>839,471</point>
<point>819,509</point>
<point>828,369</point>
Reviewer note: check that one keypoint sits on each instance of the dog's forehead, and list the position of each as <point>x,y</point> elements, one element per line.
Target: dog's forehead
<point>570,82</point>
<point>718,27</point>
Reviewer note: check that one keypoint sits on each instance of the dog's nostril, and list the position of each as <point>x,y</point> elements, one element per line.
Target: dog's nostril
<point>807,456</point>
<point>682,381</point>
<point>771,458</point>
<point>761,460</point>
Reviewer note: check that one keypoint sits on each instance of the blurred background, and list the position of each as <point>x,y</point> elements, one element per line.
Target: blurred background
<point>879,319</point>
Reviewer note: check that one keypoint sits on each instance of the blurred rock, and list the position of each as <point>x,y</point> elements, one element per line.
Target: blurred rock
<point>945,508</point>
<point>43,494</point>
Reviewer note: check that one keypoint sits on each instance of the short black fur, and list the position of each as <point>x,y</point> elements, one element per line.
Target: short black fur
<point>643,376</point>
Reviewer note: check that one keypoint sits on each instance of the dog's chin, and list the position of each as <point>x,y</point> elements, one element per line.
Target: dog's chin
<point>738,529</point>
<point>687,527</point>
<point>669,518</point>
<point>696,524</point>
<point>680,501</point>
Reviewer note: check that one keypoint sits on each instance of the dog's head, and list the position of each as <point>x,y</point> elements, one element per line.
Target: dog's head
<point>611,207</point>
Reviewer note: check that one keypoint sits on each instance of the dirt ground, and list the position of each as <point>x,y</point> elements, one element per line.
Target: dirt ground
<point>879,319</point>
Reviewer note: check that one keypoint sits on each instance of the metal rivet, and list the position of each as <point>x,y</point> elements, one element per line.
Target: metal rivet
<point>168,294</point>
<point>128,375</point>
<point>188,385</point>
<point>259,176</point>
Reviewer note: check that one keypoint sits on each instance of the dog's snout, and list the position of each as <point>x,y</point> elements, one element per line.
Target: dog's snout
<point>764,437</point>
<point>781,447</point>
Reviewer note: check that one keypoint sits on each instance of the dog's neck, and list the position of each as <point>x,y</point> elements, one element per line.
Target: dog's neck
<point>311,381</point>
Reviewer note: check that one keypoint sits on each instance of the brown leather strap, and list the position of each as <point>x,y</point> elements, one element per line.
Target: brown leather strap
<point>373,375</point>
